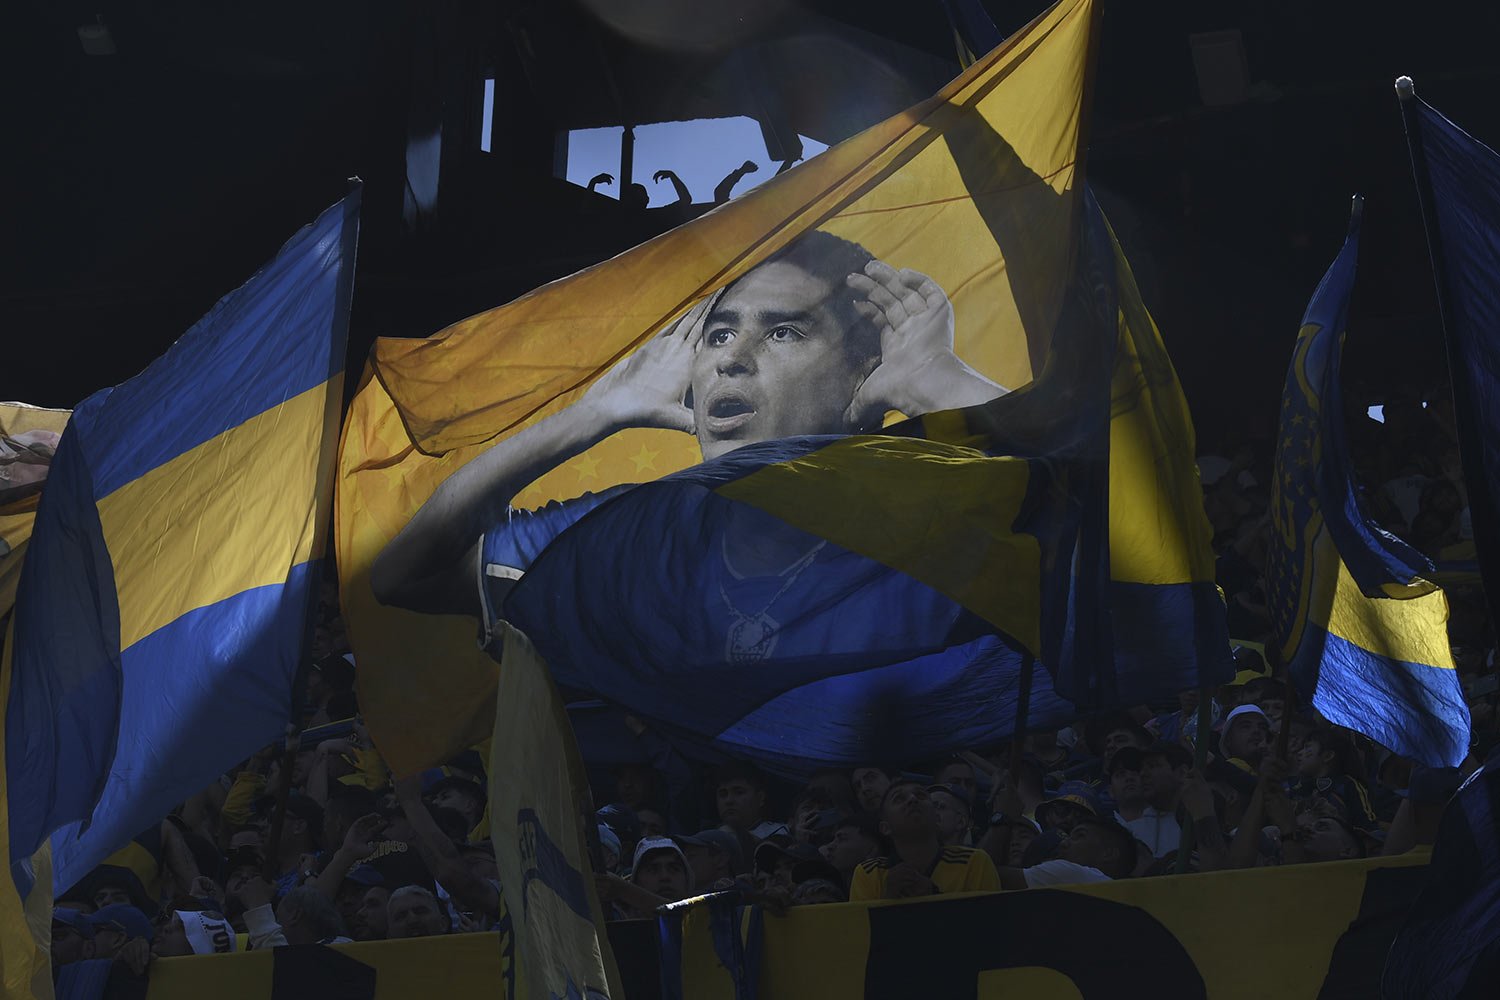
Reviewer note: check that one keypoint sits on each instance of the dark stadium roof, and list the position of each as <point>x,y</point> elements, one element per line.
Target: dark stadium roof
<point>145,184</point>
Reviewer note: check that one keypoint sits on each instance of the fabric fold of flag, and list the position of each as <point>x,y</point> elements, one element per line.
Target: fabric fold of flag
<point>1449,945</point>
<point>1362,633</point>
<point>160,616</point>
<point>538,793</point>
<point>1103,571</point>
<point>1462,209</point>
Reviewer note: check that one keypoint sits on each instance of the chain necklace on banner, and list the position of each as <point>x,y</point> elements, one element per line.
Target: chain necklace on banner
<point>752,637</point>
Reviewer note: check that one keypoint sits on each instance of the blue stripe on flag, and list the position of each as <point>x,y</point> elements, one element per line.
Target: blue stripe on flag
<point>167,716</point>
<point>254,350</point>
<point>67,615</point>
<point>1141,614</point>
<point>1414,709</point>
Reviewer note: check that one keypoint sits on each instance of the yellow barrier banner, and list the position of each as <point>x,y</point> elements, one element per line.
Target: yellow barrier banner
<point>1299,931</point>
<point>464,965</point>
<point>1302,931</point>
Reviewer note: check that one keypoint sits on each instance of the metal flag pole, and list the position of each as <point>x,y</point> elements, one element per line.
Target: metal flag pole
<point>1200,761</point>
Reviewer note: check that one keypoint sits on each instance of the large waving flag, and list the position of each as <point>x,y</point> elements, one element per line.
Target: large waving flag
<point>1449,944</point>
<point>1458,182</point>
<point>160,616</point>
<point>903,575</point>
<point>1361,627</point>
<point>988,258</point>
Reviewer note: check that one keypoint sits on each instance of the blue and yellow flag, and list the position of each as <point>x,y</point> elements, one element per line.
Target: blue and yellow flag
<point>159,620</point>
<point>1362,629</point>
<point>939,262</point>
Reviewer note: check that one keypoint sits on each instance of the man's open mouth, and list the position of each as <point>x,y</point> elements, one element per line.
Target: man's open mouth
<point>727,413</point>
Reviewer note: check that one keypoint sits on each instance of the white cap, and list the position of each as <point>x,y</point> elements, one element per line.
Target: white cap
<point>1229,721</point>
<point>648,844</point>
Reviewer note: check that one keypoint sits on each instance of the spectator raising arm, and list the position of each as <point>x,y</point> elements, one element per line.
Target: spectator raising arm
<point>441,857</point>
<point>359,843</point>
<point>1198,800</point>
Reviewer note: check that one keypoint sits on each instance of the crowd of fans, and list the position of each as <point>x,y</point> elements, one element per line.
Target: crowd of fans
<point>360,857</point>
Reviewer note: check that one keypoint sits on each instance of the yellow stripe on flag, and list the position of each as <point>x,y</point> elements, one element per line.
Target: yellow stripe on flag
<point>208,514</point>
<point>955,507</point>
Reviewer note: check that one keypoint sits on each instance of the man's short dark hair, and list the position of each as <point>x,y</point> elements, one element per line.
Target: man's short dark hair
<point>1175,754</point>
<point>738,770</point>
<point>1345,760</point>
<point>1262,687</point>
<point>1121,838</point>
<point>1137,732</point>
<point>831,259</point>
<point>900,783</point>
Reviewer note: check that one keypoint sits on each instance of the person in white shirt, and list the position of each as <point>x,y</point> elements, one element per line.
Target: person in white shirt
<point>1155,827</point>
<point>1093,851</point>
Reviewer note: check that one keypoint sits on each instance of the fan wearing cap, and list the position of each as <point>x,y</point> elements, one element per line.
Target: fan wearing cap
<point>659,874</point>
<point>460,794</point>
<point>192,928</point>
<point>919,865</point>
<point>72,936</point>
<point>1094,850</point>
<point>954,813</point>
<point>713,856</point>
<point>785,866</point>
<point>609,848</point>
<point>111,957</point>
<point>1073,802</point>
<point>1245,738</point>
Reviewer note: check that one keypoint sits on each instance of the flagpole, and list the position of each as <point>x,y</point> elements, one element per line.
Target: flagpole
<point>1023,708</point>
<point>1200,761</point>
<point>1486,533</point>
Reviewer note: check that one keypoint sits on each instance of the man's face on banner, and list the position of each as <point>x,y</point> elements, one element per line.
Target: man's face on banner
<point>773,362</point>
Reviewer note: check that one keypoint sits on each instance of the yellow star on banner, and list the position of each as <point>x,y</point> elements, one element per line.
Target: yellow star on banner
<point>645,459</point>
<point>587,467</point>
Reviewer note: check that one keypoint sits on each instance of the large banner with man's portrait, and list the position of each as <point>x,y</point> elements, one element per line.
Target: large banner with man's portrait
<point>945,261</point>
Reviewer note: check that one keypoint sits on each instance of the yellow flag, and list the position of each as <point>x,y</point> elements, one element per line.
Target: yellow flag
<point>538,805</point>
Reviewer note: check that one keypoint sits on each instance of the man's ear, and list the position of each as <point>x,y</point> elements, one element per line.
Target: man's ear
<point>885,829</point>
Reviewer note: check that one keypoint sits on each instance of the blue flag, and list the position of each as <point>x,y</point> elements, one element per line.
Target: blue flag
<point>1464,238</point>
<point>1365,634</point>
<point>1451,938</point>
<point>160,616</point>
